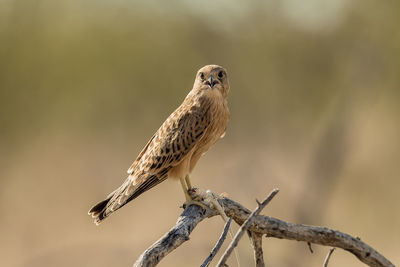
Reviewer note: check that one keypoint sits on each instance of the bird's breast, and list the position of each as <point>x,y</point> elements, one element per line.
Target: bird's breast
<point>220,118</point>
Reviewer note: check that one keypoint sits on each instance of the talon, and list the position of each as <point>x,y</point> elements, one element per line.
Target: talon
<point>192,190</point>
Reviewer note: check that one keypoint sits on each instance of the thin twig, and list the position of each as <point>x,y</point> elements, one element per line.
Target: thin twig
<point>328,257</point>
<point>218,244</point>
<point>309,246</point>
<point>243,228</point>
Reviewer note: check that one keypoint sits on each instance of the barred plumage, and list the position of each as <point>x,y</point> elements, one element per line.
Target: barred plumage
<point>182,139</point>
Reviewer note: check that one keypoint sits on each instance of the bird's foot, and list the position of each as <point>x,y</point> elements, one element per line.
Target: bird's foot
<point>194,198</point>
<point>205,199</point>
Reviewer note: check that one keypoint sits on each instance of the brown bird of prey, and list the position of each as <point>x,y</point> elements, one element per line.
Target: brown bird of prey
<point>178,144</point>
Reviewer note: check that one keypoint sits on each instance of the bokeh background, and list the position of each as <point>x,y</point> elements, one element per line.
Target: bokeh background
<point>315,105</point>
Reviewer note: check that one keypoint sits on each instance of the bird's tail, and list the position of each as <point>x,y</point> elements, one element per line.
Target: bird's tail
<point>97,211</point>
<point>103,209</point>
<point>129,190</point>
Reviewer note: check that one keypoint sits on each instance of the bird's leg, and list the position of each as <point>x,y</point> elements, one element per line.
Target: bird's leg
<point>185,189</point>
<point>186,186</point>
<point>188,183</point>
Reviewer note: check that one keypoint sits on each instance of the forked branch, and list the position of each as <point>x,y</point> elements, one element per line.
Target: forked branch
<point>260,225</point>
<point>244,227</point>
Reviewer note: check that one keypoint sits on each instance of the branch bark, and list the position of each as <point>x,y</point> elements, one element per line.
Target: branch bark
<point>261,225</point>
<point>273,227</point>
<point>178,234</point>
<point>256,242</point>
<point>244,227</point>
<point>217,246</point>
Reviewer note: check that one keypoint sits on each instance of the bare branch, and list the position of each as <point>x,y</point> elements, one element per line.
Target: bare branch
<point>256,242</point>
<point>261,225</point>
<point>273,227</point>
<point>178,234</point>
<point>244,227</point>
<point>217,246</point>
<point>328,257</point>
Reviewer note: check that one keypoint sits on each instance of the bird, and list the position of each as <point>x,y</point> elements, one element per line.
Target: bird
<point>176,147</point>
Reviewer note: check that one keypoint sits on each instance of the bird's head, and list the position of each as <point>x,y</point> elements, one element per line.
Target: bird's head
<point>212,77</point>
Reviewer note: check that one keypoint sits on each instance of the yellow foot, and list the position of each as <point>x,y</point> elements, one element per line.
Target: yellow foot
<point>205,199</point>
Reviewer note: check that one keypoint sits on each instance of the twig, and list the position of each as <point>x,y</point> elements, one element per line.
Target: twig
<point>328,256</point>
<point>244,227</point>
<point>218,245</point>
<point>256,242</point>
<point>309,246</point>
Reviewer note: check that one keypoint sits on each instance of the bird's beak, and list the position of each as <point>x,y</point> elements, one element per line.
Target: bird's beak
<point>211,82</point>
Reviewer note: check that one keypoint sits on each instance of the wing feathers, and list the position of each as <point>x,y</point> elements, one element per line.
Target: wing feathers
<point>167,148</point>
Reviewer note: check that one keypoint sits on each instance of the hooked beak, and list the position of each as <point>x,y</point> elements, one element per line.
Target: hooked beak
<point>211,82</point>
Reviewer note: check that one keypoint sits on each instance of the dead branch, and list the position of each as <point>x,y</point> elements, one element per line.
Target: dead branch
<point>256,242</point>
<point>217,246</point>
<point>273,227</point>
<point>178,234</point>
<point>261,225</point>
<point>244,228</point>
<point>328,257</point>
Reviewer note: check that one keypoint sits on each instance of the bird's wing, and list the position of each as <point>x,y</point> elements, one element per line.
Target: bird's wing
<point>174,140</point>
<point>166,149</point>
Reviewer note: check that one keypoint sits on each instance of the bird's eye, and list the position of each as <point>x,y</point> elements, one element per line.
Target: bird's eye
<point>202,75</point>
<point>221,74</point>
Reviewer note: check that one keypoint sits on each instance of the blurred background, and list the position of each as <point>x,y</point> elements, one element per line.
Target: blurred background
<point>315,105</point>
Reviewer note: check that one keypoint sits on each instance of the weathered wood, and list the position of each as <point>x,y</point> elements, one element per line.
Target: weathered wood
<point>273,227</point>
<point>178,234</point>
<point>256,242</point>
<point>261,225</point>
<point>218,245</point>
<point>243,228</point>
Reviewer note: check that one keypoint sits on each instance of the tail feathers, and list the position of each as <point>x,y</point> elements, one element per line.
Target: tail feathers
<point>129,190</point>
<point>97,212</point>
